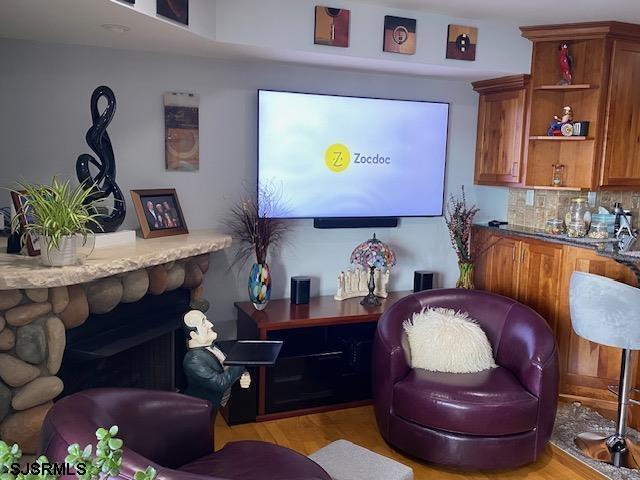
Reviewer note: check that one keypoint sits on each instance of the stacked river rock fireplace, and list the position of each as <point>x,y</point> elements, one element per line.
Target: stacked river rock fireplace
<point>122,303</point>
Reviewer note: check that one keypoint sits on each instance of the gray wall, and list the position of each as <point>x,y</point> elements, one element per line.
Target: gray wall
<point>44,94</point>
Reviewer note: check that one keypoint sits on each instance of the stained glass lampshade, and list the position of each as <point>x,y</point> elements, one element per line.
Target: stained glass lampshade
<point>373,254</point>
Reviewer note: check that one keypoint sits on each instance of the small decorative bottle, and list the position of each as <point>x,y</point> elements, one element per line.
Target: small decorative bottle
<point>558,169</point>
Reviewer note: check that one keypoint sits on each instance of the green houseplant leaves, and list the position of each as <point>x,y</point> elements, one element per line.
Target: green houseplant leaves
<point>104,464</point>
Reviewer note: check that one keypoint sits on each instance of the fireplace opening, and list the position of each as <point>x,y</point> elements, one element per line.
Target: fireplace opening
<point>139,345</point>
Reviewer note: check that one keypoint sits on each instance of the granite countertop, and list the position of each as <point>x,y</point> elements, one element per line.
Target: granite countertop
<point>610,247</point>
<point>17,271</point>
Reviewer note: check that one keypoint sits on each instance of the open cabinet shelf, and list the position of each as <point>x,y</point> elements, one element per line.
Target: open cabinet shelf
<point>578,86</point>
<point>559,139</point>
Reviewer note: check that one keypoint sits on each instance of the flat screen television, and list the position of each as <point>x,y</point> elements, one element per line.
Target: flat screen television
<point>331,156</point>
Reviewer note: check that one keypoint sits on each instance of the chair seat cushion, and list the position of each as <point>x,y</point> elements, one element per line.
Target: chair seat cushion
<point>488,403</point>
<point>251,460</point>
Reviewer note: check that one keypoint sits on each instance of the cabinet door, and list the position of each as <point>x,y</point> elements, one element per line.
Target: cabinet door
<point>621,162</point>
<point>499,142</point>
<point>539,285</point>
<point>497,268</point>
<point>586,368</point>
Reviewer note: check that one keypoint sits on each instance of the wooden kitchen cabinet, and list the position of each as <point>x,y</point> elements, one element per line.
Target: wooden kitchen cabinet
<point>540,267</point>
<point>524,270</point>
<point>604,92</point>
<point>501,129</point>
<point>539,273</point>
<point>588,368</point>
<point>621,164</point>
<point>512,148</point>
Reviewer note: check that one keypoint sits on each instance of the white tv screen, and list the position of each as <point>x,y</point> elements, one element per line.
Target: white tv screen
<point>332,156</point>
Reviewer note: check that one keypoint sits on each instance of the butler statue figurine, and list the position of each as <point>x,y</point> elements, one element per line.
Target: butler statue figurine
<point>203,363</point>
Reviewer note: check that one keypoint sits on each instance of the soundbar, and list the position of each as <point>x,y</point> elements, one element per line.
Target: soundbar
<point>355,222</point>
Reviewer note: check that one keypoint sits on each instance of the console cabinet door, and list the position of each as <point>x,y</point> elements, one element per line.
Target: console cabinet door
<point>539,286</point>
<point>500,137</point>
<point>621,163</point>
<point>586,368</point>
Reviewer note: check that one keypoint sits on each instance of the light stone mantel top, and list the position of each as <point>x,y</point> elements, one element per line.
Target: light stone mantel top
<point>17,271</point>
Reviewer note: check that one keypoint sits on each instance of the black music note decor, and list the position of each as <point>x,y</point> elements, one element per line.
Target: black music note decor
<point>104,182</point>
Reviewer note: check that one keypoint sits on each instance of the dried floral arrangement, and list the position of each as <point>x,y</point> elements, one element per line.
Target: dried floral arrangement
<point>251,223</point>
<point>459,220</point>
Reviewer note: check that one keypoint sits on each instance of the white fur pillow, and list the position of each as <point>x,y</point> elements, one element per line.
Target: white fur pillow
<point>443,340</point>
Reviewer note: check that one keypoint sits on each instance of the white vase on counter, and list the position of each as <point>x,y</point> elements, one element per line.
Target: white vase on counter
<point>66,253</point>
<point>71,250</point>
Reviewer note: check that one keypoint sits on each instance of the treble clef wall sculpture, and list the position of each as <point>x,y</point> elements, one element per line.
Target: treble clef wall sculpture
<point>103,184</point>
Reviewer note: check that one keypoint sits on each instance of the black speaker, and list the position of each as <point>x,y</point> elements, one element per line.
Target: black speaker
<point>300,287</point>
<point>422,280</point>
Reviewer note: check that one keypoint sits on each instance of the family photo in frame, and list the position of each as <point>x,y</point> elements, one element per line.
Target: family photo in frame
<point>159,212</point>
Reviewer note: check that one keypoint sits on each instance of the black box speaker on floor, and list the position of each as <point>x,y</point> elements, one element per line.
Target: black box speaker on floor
<point>300,288</point>
<point>422,280</point>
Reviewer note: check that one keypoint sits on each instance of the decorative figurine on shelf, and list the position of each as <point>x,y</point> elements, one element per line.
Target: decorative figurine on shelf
<point>203,363</point>
<point>558,170</point>
<point>373,254</point>
<point>565,60</point>
<point>561,125</point>
<point>103,185</point>
<point>354,283</point>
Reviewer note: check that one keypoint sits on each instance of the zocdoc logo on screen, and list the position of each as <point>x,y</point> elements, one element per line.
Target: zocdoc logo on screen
<point>338,157</point>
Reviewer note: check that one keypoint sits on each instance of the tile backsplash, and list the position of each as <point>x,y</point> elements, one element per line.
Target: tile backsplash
<point>555,203</point>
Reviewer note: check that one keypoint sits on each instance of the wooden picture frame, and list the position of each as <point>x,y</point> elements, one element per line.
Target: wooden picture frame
<point>33,243</point>
<point>159,212</point>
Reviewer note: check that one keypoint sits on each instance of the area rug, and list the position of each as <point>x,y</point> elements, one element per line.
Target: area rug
<point>573,419</point>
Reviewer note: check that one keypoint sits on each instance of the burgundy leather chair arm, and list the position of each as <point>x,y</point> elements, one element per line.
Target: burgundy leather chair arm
<point>528,348</point>
<point>158,428</point>
<point>389,358</point>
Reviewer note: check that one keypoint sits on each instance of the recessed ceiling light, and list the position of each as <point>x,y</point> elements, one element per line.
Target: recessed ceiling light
<point>114,27</point>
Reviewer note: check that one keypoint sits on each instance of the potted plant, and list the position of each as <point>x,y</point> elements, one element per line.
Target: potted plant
<point>59,216</point>
<point>459,219</point>
<point>251,222</point>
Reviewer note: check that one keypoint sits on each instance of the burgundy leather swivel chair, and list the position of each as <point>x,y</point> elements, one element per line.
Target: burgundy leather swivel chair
<point>171,432</point>
<point>498,418</point>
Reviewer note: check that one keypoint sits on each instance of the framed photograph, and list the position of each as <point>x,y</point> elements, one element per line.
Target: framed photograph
<point>24,217</point>
<point>332,27</point>
<point>177,10</point>
<point>461,42</point>
<point>159,212</point>
<point>182,131</point>
<point>399,35</point>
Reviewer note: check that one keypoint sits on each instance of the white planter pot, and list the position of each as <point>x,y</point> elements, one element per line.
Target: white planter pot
<point>65,254</point>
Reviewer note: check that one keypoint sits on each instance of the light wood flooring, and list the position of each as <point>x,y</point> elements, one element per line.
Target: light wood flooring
<point>308,433</point>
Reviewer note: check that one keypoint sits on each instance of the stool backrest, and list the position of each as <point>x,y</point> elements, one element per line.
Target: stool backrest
<point>605,311</point>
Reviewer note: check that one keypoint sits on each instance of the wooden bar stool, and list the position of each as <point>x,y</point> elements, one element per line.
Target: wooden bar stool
<point>608,312</point>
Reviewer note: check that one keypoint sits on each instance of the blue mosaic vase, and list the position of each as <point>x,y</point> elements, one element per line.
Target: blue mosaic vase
<point>259,285</point>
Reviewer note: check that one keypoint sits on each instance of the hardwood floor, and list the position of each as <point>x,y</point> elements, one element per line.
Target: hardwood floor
<point>308,433</point>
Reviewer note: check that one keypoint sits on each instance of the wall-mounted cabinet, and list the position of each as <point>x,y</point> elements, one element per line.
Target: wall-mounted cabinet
<point>537,273</point>
<point>604,92</point>
<point>501,129</point>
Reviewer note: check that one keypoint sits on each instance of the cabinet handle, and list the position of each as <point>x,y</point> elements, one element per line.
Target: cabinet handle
<point>514,169</point>
<point>513,254</point>
<point>522,256</point>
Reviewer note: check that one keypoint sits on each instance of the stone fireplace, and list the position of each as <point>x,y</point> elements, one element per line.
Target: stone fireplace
<point>113,321</point>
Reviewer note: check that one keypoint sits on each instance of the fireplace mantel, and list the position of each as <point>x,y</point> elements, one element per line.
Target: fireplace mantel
<point>39,305</point>
<point>20,272</point>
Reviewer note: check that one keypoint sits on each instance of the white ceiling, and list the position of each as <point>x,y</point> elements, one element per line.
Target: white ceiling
<point>525,12</point>
<point>78,22</point>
